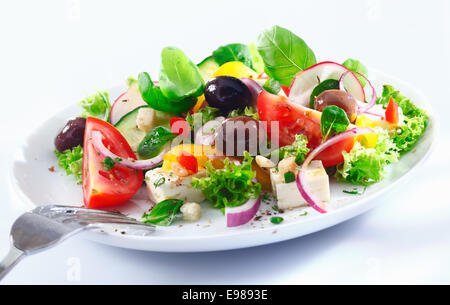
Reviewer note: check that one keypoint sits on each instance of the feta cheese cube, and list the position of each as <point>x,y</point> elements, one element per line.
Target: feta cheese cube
<point>288,195</point>
<point>163,185</point>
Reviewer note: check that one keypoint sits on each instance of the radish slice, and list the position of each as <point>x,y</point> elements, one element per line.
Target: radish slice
<point>97,137</point>
<point>125,103</point>
<point>305,81</point>
<point>242,214</point>
<point>302,186</point>
<point>373,100</point>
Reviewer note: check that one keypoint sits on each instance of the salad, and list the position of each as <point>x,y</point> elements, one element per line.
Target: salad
<point>248,121</point>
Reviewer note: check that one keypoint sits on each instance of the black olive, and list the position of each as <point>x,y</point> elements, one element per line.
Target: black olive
<point>71,135</point>
<point>337,98</point>
<point>227,93</point>
<point>239,134</point>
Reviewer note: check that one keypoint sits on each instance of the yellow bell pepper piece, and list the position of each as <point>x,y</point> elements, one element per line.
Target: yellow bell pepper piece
<point>200,152</point>
<point>367,140</point>
<point>236,69</point>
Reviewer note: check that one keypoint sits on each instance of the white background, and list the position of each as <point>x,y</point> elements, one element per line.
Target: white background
<point>52,53</point>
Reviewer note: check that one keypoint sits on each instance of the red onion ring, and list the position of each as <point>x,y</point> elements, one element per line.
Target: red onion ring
<point>302,187</point>
<point>237,216</point>
<point>372,102</point>
<point>96,137</point>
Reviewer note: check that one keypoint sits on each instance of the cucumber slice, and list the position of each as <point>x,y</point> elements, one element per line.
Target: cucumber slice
<point>127,127</point>
<point>207,68</point>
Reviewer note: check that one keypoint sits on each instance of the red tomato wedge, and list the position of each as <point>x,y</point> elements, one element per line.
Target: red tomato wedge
<point>179,126</point>
<point>391,114</point>
<point>103,188</point>
<point>295,119</point>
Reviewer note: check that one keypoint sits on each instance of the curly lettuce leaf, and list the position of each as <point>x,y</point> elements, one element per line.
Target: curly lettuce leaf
<point>247,111</point>
<point>406,136</point>
<point>298,149</point>
<point>71,161</point>
<point>364,166</point>
<point>231,186</point>
<point>202,116</point>
<point>96,105</point>
<point>415,121</point>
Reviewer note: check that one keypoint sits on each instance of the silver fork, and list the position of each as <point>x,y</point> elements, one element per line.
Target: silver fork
<point>46,226</point>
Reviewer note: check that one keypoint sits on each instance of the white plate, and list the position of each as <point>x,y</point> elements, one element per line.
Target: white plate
<point>37,185</point>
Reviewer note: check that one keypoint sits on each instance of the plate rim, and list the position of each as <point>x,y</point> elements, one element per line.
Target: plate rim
<point>314,224</point>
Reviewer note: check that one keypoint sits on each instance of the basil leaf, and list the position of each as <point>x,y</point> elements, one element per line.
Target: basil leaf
<point>284,54</point>
<point>334,120</point>
<point>152,144</point>
<point>328,84</point>
<point>153,96</point>
<point>163,213</point>
<point>272,86</point>
<point>357,66</point>
<point>233,52</point>
<point>179,77</point>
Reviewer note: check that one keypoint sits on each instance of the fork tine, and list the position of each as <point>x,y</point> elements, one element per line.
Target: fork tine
<point>60,209</point>
<point>98,219</point>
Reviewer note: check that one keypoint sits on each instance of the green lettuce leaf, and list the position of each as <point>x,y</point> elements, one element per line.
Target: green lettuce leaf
<point>231,186</point>
<point>71,161</point>
<point>415,121</point>
<point>365,166</point>
<point>96,105</point>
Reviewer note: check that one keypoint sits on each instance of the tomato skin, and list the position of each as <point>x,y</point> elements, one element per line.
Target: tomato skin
<point>102,188</point>
<point>179,126</point>
<point>332,155</point>
<point>294,119</point>
<point>188,161</point>
<point>391,113</point>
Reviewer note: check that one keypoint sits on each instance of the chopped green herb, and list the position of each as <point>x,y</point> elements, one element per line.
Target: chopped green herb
<point>275,208</point>
<point>289,177</point>
<point>304,214</point>
<point>354,192</point>
<point>108,163</point>
<point>265,197</point>
<point>159,182</point>
<point>276,220</point>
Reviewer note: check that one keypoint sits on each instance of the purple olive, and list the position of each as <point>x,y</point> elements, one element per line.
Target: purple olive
<point>71,135</point>
<point>227,93</point>
<point>239,134</point>
<point>337,98</point>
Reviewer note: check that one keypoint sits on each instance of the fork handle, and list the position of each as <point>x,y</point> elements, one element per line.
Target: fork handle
<point>12,258</point>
